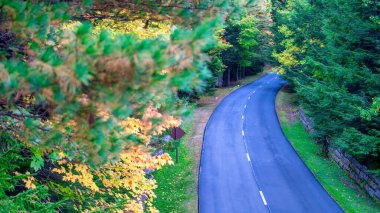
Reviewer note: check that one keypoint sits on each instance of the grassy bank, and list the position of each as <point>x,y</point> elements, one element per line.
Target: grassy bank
<point>174,181</point>
<point>349,196</point>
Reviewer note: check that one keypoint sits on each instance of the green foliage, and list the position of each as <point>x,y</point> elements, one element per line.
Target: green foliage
<point>216,64</point>
<point>372,111</point>
<point>37,162</point>
<point>329,51</point>
<point>77,80</point>
<point>81,86</point>
<point>250,42</point>
<point>247,40</point>
<point>362,145</point>
<point>9,156</point>
<point>29,201</point>
<point>13,197</point>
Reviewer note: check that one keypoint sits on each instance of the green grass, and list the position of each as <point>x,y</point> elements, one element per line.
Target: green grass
<point>174,181</point>
<point>333,179</point>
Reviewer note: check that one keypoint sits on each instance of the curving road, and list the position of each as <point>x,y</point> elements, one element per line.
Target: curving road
<point>247,165</point>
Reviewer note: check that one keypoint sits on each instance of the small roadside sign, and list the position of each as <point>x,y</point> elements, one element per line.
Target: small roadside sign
<point>177,133</point>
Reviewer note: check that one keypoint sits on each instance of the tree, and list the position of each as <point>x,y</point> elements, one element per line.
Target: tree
<point>328,51</point>
<point>250,44</point>
<point>82,97</point>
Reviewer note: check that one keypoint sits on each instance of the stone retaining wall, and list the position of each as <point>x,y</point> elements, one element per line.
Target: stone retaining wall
<point>306,121</point>
<point>355,170</point>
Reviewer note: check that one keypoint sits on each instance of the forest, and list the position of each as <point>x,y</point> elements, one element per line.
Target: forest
<point>328,50</point>
<point>88,88</point>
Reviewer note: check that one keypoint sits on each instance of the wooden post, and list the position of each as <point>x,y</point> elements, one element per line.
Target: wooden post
<point>176,154</point>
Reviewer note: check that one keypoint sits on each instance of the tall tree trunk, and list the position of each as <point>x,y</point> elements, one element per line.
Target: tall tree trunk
<point>228,76</point>
<point>240,75</point>
<point>325,147</point>
<point>237,72</point>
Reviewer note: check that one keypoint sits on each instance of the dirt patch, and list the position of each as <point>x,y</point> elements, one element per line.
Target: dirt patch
<point>291,115</point>
<point>288,106</point>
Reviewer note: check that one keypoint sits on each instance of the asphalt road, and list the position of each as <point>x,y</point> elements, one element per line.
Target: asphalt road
<point>247,165</point>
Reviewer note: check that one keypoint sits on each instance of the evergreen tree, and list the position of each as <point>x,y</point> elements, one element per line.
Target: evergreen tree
<point>329,52</point>
<point>85,88</point>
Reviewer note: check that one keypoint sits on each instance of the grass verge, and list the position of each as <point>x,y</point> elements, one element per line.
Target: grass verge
<point>173,181</point>
<point>347,194</point>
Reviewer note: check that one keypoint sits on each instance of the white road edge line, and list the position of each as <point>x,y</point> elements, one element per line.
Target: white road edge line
<point>245,106</point>
<point>249,97</point>
<point>242,132</point>
<point>253,92</point>
<point>242,117</point>
<point>248,158</point>
<point>263,198</point>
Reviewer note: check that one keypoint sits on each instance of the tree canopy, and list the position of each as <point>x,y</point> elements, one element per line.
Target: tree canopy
<point>329,51</point>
